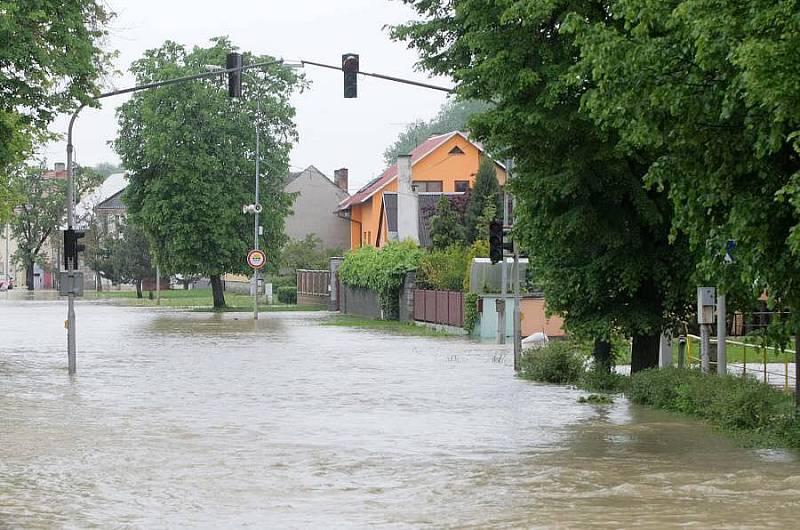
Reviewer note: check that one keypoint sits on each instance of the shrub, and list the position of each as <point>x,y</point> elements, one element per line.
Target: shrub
<point>470,311</point>
<point>443,269</point>
<point>731,402</point>
<point>558,362</point>
<point>479,249</point>
<point>382,271</point>
<point>598,380</point>
<point>287,295</point>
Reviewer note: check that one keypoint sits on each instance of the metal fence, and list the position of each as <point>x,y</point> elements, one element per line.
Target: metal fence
<point>313,282</point>
<point>439,307</point>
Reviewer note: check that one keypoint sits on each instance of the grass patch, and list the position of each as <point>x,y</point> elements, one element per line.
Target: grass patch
<point>754,413</point>
<point>197,300</point>
<point>390,326</point>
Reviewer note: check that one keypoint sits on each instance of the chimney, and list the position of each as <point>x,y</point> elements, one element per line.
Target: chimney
<point>340,178</point>
<point>407,202</point>
<point>59,166</point>
<point>404,174</point>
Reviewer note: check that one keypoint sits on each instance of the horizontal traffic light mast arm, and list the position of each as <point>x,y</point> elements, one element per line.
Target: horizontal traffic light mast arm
<point>185,78</point>
<point>386,77</point>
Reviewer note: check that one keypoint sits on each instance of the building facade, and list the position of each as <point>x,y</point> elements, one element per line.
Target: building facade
<point>315,207</point>
<point>393,205</point>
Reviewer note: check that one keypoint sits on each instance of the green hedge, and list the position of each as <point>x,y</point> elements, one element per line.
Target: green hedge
<point>443,270</point>
<point>741,405</point>
<point>287,295</point>
<point>381,270</point>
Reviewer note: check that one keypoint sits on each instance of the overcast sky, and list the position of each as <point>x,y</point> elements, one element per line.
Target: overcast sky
<point>334,132</point>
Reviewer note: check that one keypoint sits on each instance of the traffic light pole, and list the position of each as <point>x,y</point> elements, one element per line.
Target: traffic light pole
<point>70,203</point>
<point>71,266</point>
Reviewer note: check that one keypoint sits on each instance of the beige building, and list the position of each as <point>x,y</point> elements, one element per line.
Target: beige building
<point>315,206</point>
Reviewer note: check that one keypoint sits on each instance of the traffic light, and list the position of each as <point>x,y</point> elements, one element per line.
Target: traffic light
<point>496,241</point>
<point>350,69</point>
<point>234,60</point>
<point>72,248</point>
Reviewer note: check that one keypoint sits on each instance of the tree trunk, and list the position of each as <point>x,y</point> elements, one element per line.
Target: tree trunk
<point>138,288</point>
<point>185,285</point>
<point>29,276</point>
<point>603,356</point>
<point>644,354</point>
<point>216,290</point>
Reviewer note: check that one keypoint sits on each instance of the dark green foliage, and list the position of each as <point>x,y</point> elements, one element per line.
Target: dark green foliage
<point>470,311</point>
<point>484,196</point>
<point>599,380</point>
<point>382,271</point>
<point>443,270</point>
<point>191,151</point>
<point>307,253</point>
<point>287,295</point>
<point>738,404</point>
<point>453,116</point>
<point>600,243</point>
<point>447,227</point>
<point>50,62</point>
<point>711,89</point>
<point>558,362</point>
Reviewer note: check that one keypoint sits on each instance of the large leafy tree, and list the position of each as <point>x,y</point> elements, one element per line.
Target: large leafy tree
<point>598,240</point>
<point>713,88</point>
<point>191,152</point>
<point>51,60</point>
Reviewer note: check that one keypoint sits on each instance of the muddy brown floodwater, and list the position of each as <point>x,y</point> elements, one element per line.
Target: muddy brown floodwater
<point>180,419</point>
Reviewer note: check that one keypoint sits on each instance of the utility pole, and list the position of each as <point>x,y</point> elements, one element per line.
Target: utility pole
<point>722,361</point>
<point>517,296</point>
<point>158,284</point>
<point>501,305</point>
<point>71,360</point>
<point>8,260</point>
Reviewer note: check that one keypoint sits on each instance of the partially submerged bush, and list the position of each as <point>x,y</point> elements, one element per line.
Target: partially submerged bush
<point>558,362</point>
<point>598,380</point>
<point>731,402</point>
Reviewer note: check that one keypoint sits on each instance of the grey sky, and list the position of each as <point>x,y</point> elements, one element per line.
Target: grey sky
<point>334,132</point>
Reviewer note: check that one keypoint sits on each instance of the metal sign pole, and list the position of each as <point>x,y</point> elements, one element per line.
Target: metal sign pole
<point>255,227</point>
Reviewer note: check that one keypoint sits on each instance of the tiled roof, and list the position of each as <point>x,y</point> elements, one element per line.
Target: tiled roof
<point>418,153</point>
<point>112,203</point>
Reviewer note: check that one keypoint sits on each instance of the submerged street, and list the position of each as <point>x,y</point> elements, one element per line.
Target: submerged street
<point>180,419</point>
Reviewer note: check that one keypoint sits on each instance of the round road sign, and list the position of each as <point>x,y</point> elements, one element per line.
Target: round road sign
<point>256,259</point>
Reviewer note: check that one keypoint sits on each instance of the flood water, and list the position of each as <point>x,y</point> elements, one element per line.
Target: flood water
<point>200,420</point>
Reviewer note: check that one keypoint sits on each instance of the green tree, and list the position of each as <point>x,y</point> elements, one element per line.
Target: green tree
<point>190,149</point>
<point>486,191</point>
<point>452,116</point>
<point>50,62</point>
<point>38,214</point>
<point>40,205</point>
<point>125,257</point>
<point>598,240</point>
<point>447,228</point>
<point>307,253</point>
<point>712,89</point>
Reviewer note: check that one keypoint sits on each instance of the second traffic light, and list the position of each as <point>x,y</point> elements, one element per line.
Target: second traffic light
<point>234,60</point>
<point>497,243</point>
<point>72,248</point>
<point>350,69</point>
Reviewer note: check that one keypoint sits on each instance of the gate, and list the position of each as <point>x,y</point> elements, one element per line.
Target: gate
<point>439,307</point>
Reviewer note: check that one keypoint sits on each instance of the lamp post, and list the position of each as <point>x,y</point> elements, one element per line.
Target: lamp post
<point>256,210</point>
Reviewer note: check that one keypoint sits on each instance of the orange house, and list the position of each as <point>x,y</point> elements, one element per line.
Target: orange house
<point>388,208</point>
